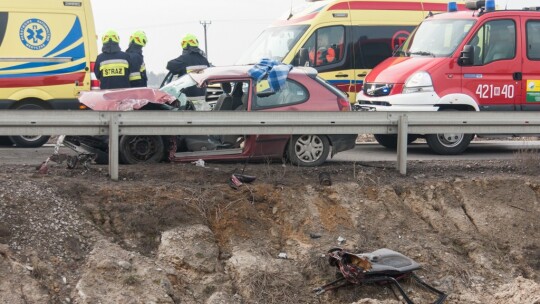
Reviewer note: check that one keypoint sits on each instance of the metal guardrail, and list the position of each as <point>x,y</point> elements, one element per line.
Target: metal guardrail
<point>114,124</point>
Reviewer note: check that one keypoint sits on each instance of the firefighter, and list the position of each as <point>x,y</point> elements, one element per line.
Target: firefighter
<point>112,65</point>
<point>192,58</point>
<point>137,78</point>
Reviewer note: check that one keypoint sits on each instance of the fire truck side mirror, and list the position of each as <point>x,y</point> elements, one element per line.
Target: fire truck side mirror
<point>467,56</point>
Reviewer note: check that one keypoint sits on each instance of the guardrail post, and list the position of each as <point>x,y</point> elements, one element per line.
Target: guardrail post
<point>113,147</point>
<point>403,125</point>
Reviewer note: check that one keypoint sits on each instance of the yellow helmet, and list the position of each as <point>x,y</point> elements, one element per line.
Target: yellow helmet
<point>139,37</point>
<point>110,35</point>
<point>190,40</point>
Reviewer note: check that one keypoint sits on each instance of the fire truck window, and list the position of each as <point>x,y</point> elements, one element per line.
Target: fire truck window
<point>326,46</point>
<point>497,41</point>
<point>533,40</point>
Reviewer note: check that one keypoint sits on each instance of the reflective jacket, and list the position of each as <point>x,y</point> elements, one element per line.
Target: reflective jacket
<point>112,67</point>
<point>192,58</point>
<point>137,77</point>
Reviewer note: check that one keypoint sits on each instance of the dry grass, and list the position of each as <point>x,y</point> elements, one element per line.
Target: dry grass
<point>527,160</point>
<point>276,288</point>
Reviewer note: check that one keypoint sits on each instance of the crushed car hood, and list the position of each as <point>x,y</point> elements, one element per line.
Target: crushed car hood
<point>123,99</point>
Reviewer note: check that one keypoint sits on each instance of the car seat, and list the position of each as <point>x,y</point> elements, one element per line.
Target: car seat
<point>237,95</point>
<point>238,99</point>
<point>225,101</point>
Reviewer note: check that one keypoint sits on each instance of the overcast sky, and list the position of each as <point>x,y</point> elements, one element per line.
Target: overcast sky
<point>235,24</point>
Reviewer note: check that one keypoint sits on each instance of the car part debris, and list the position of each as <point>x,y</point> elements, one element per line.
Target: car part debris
<point>324,179</point>
<point>283,255</point>
<point>234,182</point>
<point>245,178</point>
<point>199,163</point>
<point>43,168</point>
<point>341,240</point>
<point>380,266</point>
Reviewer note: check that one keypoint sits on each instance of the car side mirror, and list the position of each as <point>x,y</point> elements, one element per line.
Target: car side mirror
<point>467,56</point>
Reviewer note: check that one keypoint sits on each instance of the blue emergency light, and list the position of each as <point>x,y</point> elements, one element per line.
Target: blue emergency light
<point>452,6</point>
<point>490,5</point>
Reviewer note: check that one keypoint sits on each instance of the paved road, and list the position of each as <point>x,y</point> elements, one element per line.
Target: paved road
<point>363,152</point>
<point>478,150</point>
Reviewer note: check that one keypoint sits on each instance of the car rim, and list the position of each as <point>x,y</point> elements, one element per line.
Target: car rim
<point>309,148</point>
<point>450,139</point>
<point>142,148</point>
<point>32,138</point>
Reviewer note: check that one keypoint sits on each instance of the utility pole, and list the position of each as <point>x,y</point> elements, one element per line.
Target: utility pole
<point>204,24</point>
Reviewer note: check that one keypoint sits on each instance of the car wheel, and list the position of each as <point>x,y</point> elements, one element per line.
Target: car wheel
<point>448,143</point>
<point>308,150</point>
<point>141,149</point>
<point>390,140</point>
<point>29,141</point>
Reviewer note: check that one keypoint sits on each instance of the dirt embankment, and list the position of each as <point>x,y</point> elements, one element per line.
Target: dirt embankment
<point>176,233</point>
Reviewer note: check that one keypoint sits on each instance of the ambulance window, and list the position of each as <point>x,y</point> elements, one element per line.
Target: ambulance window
<point>533,40</point>
<point>496,40</point>
<point>373,44</point>
<point>326,46</point>
<point>3,25</point>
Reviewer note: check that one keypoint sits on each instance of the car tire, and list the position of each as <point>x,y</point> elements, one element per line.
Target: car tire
<point>390,140</point>
<point>141,149</point>
<point>5,141</point>
<point>308,150</point>
<point>28,141</point>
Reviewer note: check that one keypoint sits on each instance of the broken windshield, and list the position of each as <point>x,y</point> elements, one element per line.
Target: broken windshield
<point>274,43</point>
<point>176,87</point>
<point>436,38</point>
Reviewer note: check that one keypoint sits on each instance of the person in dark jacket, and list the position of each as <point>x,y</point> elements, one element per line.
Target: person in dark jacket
<point>112,65</point>
<point>138,77</point>
<point>192,58</point>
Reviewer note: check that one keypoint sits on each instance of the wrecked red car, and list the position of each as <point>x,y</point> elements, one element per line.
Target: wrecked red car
<point>302,91</point>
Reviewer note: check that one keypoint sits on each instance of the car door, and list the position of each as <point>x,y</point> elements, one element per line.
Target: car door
<point>290,98</point>
<point>495,77</point>
<point>530,88</point>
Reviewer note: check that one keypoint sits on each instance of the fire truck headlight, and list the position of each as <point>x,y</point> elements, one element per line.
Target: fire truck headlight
<point>418,82</point>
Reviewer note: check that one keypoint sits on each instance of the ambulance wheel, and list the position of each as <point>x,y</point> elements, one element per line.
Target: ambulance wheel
<point>141,149</point>
<point>390,140</point>
<point>449,143</point>
<point>308,150</point>
<point>29,141</point>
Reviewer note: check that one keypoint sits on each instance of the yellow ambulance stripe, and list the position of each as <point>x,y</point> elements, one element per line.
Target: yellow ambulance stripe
<point>53,67</point>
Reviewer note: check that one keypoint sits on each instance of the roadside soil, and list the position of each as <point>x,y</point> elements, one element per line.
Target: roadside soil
<point>179,233</point>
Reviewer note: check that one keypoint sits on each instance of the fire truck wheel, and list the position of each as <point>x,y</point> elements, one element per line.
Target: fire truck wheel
<point>448,143</point>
